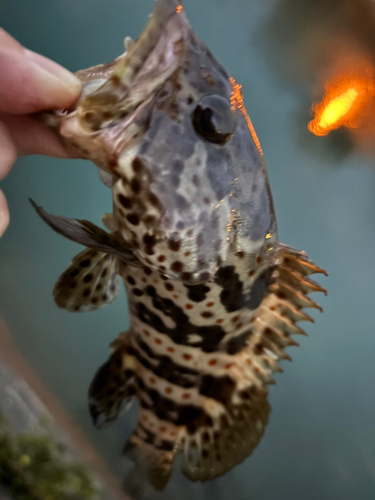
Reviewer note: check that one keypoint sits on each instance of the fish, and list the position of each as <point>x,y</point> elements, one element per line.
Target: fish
<point>214,297</point>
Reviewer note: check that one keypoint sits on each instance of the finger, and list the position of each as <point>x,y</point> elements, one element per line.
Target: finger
<point>4,213</point>
<point>30,136</point>
<point>8,153</point>
<point>30,82</point>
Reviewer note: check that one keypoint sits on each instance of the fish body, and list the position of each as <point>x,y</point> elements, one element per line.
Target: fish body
<point>213,296</point>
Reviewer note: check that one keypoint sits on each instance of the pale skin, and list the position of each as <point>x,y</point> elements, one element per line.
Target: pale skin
<point>29,83</point>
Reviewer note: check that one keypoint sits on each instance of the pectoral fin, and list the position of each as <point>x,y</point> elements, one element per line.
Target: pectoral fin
<point>86,233</point>
<point>89,283</point>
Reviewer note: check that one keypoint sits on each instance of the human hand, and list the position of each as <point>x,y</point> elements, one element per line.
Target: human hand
<point>29,83</point>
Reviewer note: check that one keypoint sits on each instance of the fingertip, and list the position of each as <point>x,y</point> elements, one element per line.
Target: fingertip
<point>8,152</point>
<point>63,86</point>
<point>30,82</point>
<point>4,214</point>
<point>6,40</point>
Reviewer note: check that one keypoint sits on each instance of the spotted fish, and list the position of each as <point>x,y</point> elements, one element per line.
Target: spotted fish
<point>214,298</point>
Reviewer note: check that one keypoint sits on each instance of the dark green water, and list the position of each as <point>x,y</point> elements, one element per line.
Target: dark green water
<point>320,443</point>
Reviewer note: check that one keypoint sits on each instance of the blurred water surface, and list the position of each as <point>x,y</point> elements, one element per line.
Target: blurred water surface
<point>320,442</point>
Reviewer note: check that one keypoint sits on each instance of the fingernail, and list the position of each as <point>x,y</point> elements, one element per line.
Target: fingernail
<point>54,70</point>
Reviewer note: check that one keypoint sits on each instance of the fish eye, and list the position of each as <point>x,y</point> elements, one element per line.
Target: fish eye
<point>214,119</point>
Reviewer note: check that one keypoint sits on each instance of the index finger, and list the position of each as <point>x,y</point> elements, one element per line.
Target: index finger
<point>30,82</point>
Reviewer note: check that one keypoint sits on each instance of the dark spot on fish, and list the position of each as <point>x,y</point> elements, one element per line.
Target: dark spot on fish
<point>135,185</point>
<point>137,292</point>
<point>153,199</point>
<point>150,220</point>
<point>232,297</point>
<point>105,297</point>
<point>189,100</point>
<point>236,344</point>
<point>73,284</point>
<point>175,181</point>
<point>149,250</point>
<point>130,280</point>
<point>150,290</point>
<point>181,202</point>
<point>133,219</point>
<point>94,300</point>
<point>219,388</point>
<point>174,245</point>
<point>259,288</point>
<point>161,258</point>
<point>86,292</point>
<point>125,201</point>
<point>258,349</point>
<point>206,314</point>
<point>180,225</point>
<point>87,278</point>
<point>147,271</point>
<point>149,239</point>
<point>85,263</point>
<point>177,166</point>
<point>137,165</point>
<point>186,276</point>
<point>115,80</point>
<point>74,273</point>
<point>197,293</point>
<point>196,180</point>
<point>177,266</point>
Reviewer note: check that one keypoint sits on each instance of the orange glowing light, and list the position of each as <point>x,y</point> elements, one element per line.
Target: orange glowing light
<point>345,98</point>
<point>179,9</point>
<point>236,101</point>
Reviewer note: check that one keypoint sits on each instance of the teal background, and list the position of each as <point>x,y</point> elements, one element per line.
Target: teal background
<point>320,442</point>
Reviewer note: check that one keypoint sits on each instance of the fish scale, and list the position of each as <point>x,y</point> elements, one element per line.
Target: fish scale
<point>213,296</point>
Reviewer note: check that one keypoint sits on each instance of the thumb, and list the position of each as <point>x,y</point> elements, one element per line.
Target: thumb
<point>30,82</point>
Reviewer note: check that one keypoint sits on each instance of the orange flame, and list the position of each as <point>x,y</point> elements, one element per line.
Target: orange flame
<point>345,98</point>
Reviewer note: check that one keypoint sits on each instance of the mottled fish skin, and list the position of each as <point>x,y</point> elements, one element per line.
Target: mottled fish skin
<point>213,296</point>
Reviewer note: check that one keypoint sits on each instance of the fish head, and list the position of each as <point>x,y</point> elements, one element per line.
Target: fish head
<point>169,123</point>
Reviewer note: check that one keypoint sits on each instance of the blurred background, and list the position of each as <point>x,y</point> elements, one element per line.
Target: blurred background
<point>307,70</point>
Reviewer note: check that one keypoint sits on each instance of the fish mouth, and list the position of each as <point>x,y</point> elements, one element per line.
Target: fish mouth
<point>116,97</point>
<point>139,73</point>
